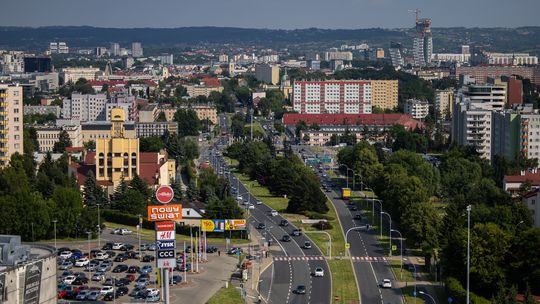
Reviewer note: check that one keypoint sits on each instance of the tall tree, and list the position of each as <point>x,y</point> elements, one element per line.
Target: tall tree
<point>63,142</point>
<point>93,193</point>
<point>188,122</point>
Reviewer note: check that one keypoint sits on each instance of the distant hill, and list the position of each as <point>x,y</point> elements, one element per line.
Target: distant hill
<point>445,39</point>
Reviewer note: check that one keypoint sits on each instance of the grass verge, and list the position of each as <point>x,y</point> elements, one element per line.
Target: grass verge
<point>229,295</point>
<point>344,285</point>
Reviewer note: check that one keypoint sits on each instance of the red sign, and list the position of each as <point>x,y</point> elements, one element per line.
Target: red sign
<point>164,226</point>
<point>164,213</point>
<point>164,194</point>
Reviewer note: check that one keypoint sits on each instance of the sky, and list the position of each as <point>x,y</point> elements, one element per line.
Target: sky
<point>273,14</point>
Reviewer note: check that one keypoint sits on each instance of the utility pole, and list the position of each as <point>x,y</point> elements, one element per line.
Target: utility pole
<point>251,112</point>
<point>468,249</point>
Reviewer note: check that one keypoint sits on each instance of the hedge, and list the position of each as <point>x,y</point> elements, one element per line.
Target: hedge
<point>459,294</point>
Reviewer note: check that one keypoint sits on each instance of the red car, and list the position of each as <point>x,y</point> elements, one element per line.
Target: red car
<point>130,277</point>
<point>62,294</point>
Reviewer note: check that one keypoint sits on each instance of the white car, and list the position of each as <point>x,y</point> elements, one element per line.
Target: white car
<point>81,262</point>
<point>251,206</point>
<point>319,272</point>
<point>124,231</point>
<point>273,213</point>
<point>106,289</point>
<point>69,279</point>
<point>258,202</point>
<point>152,291</point>
<point>239,198</point>
<point>246,202</point>
<point>65,254</point>
<point>117,246</point>
<point>386,283</point>
<point>102,256</point>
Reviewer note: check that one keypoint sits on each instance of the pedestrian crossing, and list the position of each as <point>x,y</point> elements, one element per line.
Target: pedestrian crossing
<point>320,258</point>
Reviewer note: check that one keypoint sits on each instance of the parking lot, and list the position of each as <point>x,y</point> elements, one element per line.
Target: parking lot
<point>114,272</point>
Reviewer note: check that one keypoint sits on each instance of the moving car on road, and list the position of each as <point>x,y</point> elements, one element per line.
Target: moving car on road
<point>307,245</point>
<point>319,272</point>
<point>386,283</point>
<point>300,289</point>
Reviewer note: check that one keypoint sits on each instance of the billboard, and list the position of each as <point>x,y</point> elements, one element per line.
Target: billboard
<point>213,225</point>
<point>164,213</point>
<point>235,225</point>
<point>32,283</point>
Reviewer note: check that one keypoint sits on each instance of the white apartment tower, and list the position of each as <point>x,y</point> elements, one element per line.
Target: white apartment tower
<point>85,107</point>
<point>136,49</point>
<point>423,43</point>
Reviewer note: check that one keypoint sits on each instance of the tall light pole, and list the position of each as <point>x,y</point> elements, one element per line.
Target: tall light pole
<point>427,294</point>
<point>89,237</point>
<point>347,235</point>
<point>139,235</point>
<point>468,251</point>
<point>401,251</point>
<point>54,224</point>
<point>98,226</point>
<point>389,233</point>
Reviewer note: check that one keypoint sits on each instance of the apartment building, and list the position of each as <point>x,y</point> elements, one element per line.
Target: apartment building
<point>47,136</point>
<point>384,94</point>
<point>11,122</point>
<point>74,74</point>
<point>203,111</point>
<point>332,97</point>
<point>481,72</point>
<point>267,73</point>
<point>202,90</point>
<point>444,100</point>
<point>85,107</point>
<point>95,130</point>
<point>147,129</point>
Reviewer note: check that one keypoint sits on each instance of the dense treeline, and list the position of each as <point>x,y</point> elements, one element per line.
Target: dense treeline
<point>283,175</point>
<point>428,205</point>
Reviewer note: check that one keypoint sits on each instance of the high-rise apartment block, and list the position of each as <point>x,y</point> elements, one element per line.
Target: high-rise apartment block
<point>423,43</point>
<point>347,56</point>
<point>396,54</point>
<point>11,122</point>
<point>267,73</point>
<point>115,49</point>
<point>136,49</point>
<point>332,97</point>
<point>418,109</point>
<point>384,94</point>
<point>58,48</point>
<point>481,73</point>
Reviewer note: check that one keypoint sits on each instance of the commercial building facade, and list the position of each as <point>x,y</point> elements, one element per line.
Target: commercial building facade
<point>481,73</point>
<point>267,73</point>
<point>147,129</point>
<point>74,74</point>
<point>11,122</point>
<point>47,136</point>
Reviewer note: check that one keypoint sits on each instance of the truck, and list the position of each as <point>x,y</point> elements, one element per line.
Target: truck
<point>345,193</point>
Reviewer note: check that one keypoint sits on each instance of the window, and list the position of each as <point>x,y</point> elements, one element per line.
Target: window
<point>16,119</point>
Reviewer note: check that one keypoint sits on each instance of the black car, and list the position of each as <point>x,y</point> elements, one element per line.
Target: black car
<point>107,246</point>
<point>211,249</point>
<point>300,289</point>
<point>80,281</point>
<point>120,268</point>
<point>111,253</point>
<point>354,208</point>
<point>284,223</point>
<point>122,282</point>
<point>261,226</point>
<point>133,269</point>
<point>127,247</point>
<point>176,279</point>
<point>132,254</point>
<point>110,296</point>
<point>358,216</point>
<point>120,291</point>
<point>286,238</point>
<point>120,258</point>
<point>148,258</point>
<point>137,290</point>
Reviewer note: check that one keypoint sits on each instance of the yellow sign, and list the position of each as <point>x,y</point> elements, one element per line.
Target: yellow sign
<point>207,225</point>
<point>394,247</point>
<point>347,245</point>
<point>235,224</point>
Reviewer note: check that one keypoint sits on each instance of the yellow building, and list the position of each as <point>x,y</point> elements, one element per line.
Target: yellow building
<point>117,156</point>
<point>384,94</point>
<point>203,112</point>
<point>11,122</point>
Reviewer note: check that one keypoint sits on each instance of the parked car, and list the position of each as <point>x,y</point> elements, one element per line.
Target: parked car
<point>102,256</point>
<point>148,258</point>
<point>234,250</point>
<point>69,279</point>
<point>176,279</point>
<point>120,268</point>
<point>98,276</point>
<point>130,277</point>
<point>81,296</point>
<point>66,265</point>
<point>124,231</point>
<point>81,262</point>
<point>120,291</point>
<point>106,289</point>
<point>120,258</point>
<point>153,298</point>
<point>107,246</point>
<point>117,246</point>
<point>146,269</point>
<point>143,282</point>
<point>93,295</point>
<point>80,281</point>
<point>133,269</point>
<point>122,282</point>
<point>152,247</point>
<point>65,254</point>
<point>211,249</point>
<point>127,247</point>
<point>111,296</point>
<point>143,247</point>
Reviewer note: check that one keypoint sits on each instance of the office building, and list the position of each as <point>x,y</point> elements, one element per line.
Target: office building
<point>74,74</point>
<point>204,90</point>
<point>515,91</point>
<point>444,100</point>
<point>58,48</point>
<point>12,62</point>
<point>418,109</point>
<point>481,73</point>
<point>115,49</point>
<point>223,58</point>
<point>128,62</point>
<point>42,110</point>
<point>380,53</point>
<point>147,129</point>
<point>11,122</point>
<point>332,97</point>
<point>166,59</point>
<point>423,42</point>
<point>101,51</point>
<point>37,64</point>
<point>335,55</point>
<point>314,65</point>
<point>384,94</point>
<point>85,107</point>
<point>136,50</point>
<point>267,73</point>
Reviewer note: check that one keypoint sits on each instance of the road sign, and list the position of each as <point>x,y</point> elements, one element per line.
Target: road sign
<point>165,235</point>
<point>166,263</point>
<point>164,194</point>
<point>165,226</point>
<point>347,245</point>
<point>394,247</point>
<point>166,244</point>
<point>164,213</point>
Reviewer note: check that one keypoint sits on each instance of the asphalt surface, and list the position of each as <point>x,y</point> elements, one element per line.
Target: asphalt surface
<point>293,265</point>
<point>369,260</point>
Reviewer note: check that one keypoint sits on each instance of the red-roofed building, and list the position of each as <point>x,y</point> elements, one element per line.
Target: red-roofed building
<point>357,124</point>
<point>512,183</point>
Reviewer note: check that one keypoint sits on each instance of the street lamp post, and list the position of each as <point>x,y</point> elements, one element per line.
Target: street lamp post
<point>401,251</point>
<point>468,250</point>
<point>98,226</point>
<point>54,224</point>
<point>428,295</point>
<point>139,235</point>
<point>89,237</point>
<point>414,267</point>
<point>389,232</point>
<point>347,235</point>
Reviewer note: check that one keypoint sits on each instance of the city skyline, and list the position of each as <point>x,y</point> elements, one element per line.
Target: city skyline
<point>348,14</point>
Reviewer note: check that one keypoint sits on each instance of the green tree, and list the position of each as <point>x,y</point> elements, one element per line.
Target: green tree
<point>223,209</point>
<point>93,193</point>
<point>132,202</point>
<point>90,145</point>
<point>243,94</point>
<point>307,196</point>
<point>151,144</point>
<point>63,142</point>
<point>67,209</point>
<point>161,117</point>
<point>140,186</point>
<point>188,122</point>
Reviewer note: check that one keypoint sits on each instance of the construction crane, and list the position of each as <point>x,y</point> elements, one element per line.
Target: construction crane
<point>417,12</point>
